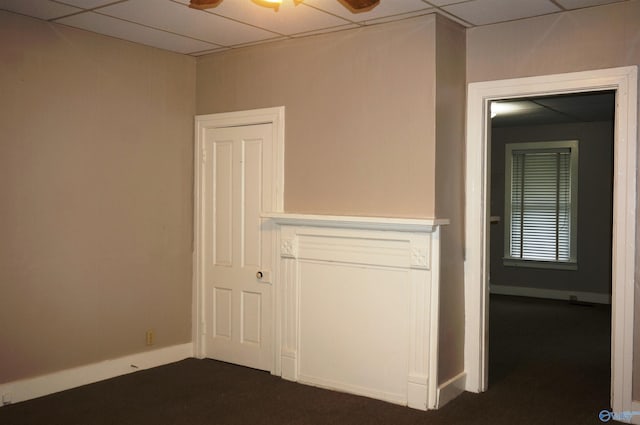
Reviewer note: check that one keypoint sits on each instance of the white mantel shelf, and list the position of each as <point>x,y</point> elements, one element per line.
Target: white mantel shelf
<point>380,338</point>
<point>358,222</point>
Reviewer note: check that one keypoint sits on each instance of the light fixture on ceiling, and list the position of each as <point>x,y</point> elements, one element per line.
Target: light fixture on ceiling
<point>203,4</point>
<point>355,6</point>
<point>273,4</point>
<point>359,6</point>
<point>509,108</point>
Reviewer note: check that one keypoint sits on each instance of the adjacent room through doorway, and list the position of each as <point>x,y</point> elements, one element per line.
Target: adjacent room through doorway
<point>480,95</point>
<point>551,197</point>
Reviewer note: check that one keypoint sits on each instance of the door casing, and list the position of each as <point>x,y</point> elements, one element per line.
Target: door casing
<point>203,123</point>
<point>624,81</point>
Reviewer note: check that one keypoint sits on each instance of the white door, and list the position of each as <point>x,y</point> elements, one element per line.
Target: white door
<point>237,186</point>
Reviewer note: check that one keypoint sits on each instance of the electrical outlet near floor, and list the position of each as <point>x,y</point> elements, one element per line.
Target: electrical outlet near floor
<point>150,337</point>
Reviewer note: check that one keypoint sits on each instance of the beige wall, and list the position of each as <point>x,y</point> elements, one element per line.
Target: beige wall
<point>586,39</point>
<point>96,159</point>
<point>364,109</point>
<point>594,38</point>
<point>360,120</point>
<point>96,188</point>
<point>449,189</point>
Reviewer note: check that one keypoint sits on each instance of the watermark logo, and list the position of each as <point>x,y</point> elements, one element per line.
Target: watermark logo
<point>606,415</point>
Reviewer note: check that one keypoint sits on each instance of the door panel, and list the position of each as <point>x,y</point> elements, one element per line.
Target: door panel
<point>251,320</point>
<point>237,303</point>
<point>222,198</point>
<point>222,313</point>
<point>251,201</point>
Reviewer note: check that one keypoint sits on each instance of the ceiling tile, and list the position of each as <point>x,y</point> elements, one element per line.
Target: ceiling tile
<point>599,106</point>
<point>206,52</point>
<point>42,9</point>
<point>179,19</point>
<point>582,107</point>
<point>326,30</point>
<point>576,4</point>
<point>271,40</point>
<point>444,2</point>
<point>454,18</point>
<point>289,19</point>
<point>399,17</point>
<point>136,33</point>
<point>483,12</point>
<point>171,25</point>
<point>87,4</point>
<point>382,10</point>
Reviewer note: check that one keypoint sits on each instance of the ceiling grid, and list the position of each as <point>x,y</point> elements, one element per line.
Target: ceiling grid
<point>172,25</point>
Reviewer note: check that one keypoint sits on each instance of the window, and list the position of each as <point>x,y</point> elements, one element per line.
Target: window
<point>541,182</point>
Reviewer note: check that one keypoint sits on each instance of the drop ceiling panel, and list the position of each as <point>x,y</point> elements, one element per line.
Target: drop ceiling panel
<point>180,19</point>
<point>136,33</point>
<point>41,9</point>
<point>171,25</point>
<point>398,17</point>
<point>326,30</point>
<point>576,4</point>
<point>590,107</point>
<point>444,2</point>
<point>87,4</point>
<point>384,9</point>
<point>289,19</point>
<point>483,12</point>
<point>206,52</point>
<point>587,107</point>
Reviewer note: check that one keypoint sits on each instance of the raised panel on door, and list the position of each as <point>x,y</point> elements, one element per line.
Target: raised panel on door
<point>237,303</point>
<point>222,312</point>
<point>251,305</point>
<point>252,202</point>
<point>223,203</point>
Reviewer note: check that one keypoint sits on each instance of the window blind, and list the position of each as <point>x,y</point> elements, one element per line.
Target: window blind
<point>541,205</point>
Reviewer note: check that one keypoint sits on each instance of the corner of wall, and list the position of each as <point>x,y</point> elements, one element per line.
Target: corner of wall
<point>450,102</point>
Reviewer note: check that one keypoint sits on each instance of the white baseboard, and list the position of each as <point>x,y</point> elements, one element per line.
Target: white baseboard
<point>345,387</point>
<point>554,294</point>
<point>451,389</point>
<point>26,389</point>
<point>635,417</point>
<point>418,392</point>
<point>626,417</point>
<point>289,366</point>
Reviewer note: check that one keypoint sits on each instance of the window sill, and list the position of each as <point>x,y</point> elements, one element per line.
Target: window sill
<point>555,265</point>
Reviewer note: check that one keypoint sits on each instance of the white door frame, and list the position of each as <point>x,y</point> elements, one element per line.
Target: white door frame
<point>479,96</point>
<point>274,116</point>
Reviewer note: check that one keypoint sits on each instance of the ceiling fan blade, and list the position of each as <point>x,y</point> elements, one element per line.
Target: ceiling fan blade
<point>359,5</point>
<point>203,4</point>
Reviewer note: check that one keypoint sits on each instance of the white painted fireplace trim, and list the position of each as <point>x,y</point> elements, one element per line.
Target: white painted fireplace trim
<point>357,305</point>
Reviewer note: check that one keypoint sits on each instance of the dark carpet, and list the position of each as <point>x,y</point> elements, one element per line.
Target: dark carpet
<point>549,365</point>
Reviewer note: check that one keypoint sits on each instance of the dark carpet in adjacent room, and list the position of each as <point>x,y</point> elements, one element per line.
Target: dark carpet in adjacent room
<point>549,364</point>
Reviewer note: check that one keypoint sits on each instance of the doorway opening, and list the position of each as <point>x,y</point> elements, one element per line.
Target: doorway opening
<point>623,81</point>
<point>551,198</point>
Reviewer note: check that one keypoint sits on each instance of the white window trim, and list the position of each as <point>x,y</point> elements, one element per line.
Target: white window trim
<point>508,260</point>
